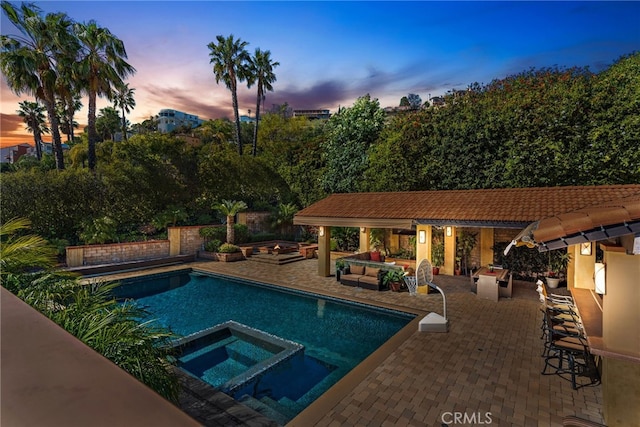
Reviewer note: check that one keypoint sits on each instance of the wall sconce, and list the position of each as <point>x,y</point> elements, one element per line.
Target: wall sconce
<point>422,237</point>
<point>363,229</point>
<point>321,231</point>
<point>448,231</point>
<point>599,278</point>
<point>585,248</point>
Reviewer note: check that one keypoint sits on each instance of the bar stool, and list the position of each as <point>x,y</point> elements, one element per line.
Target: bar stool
<point>567,345</point>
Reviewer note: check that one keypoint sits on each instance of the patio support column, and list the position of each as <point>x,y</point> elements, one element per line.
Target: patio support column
<point>324,252</point>
<point>486,243</point>
<point>581,268</point>
<point>449,251</point>
<point>423,250</point>
<point>364,239</point>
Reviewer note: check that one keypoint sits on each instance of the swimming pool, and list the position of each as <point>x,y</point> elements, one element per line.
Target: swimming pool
<point>337,335</point>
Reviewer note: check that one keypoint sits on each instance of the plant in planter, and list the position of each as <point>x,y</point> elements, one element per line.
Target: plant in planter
<point>393,279</point>
<point>458,269</point>
<point>341,265</point>
<point>437,256</point>
<point>229,253</point>
<point>558,263</point>
<point>465,242</point>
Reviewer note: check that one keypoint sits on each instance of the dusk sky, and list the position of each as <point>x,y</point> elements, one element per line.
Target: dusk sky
<point>331,53</point>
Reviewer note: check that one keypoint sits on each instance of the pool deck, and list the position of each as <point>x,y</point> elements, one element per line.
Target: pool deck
<point>485,370</point>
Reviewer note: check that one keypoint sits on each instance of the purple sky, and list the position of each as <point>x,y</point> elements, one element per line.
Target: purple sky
<point>333,52</point>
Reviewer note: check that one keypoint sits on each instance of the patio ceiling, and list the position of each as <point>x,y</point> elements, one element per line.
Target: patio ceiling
<point>497,208</point>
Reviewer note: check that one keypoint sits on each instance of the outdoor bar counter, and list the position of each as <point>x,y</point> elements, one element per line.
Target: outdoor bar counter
<point>589,306</point>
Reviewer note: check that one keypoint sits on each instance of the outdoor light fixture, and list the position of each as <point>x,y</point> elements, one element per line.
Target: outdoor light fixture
<point>363,229</point>
<point>321,231</point>
<point>449,231</point>
<point>422,236</point>
<point>599,278</point>
<point>585,248</point>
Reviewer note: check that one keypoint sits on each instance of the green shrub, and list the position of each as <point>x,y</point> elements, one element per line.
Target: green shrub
<point>214,233</point>
<point>262,237</point>
<point>241,232</point>
<point>212,245</point>
<point>228,248</point>
<point>99,231</point>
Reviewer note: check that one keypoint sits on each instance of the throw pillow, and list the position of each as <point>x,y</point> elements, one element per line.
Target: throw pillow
<point>375,256</point>
<point>357,269</point>
<point>372,272</point>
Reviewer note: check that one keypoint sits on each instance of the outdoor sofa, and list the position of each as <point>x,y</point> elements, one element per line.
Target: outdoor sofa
<point>366,270</point>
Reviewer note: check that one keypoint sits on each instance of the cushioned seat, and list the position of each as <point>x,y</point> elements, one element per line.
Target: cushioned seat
<point>362,276</point>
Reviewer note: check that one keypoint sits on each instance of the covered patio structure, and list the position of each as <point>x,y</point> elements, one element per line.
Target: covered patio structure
<point>498,214</point>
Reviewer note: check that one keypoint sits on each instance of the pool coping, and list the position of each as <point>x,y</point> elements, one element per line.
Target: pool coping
<point>319,408</point>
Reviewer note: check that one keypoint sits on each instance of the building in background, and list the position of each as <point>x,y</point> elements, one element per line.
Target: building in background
<point>169,120</point>
<point>312,114</point>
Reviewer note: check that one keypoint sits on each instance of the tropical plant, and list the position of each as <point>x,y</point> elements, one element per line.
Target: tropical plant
<point>100,230</point>
<point>101,65</point>
<point>123,99</point>
<point>230,208</point>
<point>32,114</point>
<point>393,279</point>
<point>69,99</point>
<point>558,262</point>
<point>229,59</point>
<point>260,72</point>
<point>20,252</point>
<point>465,242</point>
<point>377,239</point>
<point>31,61</point>
<point>170,216</point>
<point>121,332</point>
<point>107,124</point>
<point>282,218</point>
<point>437,253</point>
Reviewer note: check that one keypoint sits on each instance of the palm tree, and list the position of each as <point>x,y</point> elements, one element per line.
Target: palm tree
<point>32,114</point>
<point>30,61</point>
<point>102,65</point>
<point>229,59</point>
<point>67,105</point>
<point>230,208</point>
<point>260,72</point>
<point>123,98</point>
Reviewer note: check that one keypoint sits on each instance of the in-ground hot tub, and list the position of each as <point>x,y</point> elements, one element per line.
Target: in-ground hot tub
<point>231,355</point>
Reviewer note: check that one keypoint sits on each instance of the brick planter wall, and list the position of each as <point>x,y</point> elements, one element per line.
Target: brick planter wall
<point>117,252</point>
<point>181,241</point>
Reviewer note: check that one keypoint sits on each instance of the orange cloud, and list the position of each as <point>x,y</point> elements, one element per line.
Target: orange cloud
<point>12,131</point>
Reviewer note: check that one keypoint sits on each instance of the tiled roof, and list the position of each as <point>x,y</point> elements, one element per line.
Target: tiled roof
<point>608,219</point>
<point>486,206</point>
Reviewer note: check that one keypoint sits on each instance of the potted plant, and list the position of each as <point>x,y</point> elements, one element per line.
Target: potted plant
<point>437,256</point>
<point>341,265</point>
<point>393,279</point>
<point>229,253</point>
<point>558,262</point>
<point>458,270</point>
<point>465,242</point>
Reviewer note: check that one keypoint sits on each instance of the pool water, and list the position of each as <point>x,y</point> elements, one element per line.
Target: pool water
<point>336,335</point>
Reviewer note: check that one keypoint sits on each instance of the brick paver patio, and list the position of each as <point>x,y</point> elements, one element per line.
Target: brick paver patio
<point>484,371</point>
